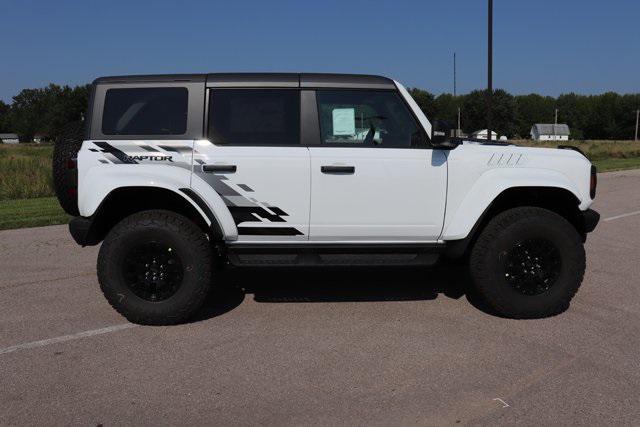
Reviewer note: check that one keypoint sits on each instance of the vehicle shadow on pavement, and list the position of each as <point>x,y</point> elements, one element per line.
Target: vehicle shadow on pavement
<point>337,284</point>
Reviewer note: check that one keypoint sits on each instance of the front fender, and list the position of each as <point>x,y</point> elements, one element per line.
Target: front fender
<point>462,216</point>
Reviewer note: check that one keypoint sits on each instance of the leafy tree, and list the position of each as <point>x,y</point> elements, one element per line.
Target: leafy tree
<point>5,124</point>
<point>47,110</point>
<point>446,108</point>
<point>533,109</point>
<point>425,101</point>
<point>27,110</point>
<point>474,112</point>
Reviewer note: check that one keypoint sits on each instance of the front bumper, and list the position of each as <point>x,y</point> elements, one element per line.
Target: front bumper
<point>80,228</point>
<point>590,219</point>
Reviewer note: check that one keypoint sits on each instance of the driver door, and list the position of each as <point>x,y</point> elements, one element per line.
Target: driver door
<point>373,177</point>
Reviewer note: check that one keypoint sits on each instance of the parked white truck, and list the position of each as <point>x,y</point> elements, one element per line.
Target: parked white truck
<point>180,175</point>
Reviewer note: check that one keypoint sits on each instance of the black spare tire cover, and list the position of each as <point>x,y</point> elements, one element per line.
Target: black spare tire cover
<point>65,172</point>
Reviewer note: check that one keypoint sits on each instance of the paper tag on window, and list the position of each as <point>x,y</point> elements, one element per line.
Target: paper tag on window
<point>344,121</point>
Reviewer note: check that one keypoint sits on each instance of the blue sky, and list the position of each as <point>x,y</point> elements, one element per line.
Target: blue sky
<point>543,46</point>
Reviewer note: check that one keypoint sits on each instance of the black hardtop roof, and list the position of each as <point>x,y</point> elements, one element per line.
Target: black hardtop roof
<point>356,81</point>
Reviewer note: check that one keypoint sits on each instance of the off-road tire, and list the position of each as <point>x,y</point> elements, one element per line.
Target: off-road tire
<point>500,236</point>
<point>186,239</point>
<point>66,148</point>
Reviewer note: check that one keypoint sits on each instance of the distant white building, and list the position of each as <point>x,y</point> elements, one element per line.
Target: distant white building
<point>544,132</point>
<point>484,134</point>
<point>9,138</point>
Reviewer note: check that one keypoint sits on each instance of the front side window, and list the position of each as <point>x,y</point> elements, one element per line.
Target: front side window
<point>366,118</point>
<point>254,116</point>
<point>145,111</point>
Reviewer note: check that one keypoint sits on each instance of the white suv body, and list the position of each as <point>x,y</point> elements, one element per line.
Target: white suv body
<point>393,195</point>
<point>305,162</point>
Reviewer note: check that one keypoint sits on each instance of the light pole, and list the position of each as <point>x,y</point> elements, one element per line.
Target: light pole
<point>455,92</point>
<point>490,72</point>
<point>455,82</point>
<point>637,122</point>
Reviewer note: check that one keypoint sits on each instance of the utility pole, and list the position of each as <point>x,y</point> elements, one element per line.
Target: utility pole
<point>455,92</point>
<point>556,116</point>
<point>637,122</point>
<point>556,124</point>
<point>490,72</point>
<point>455,83</point>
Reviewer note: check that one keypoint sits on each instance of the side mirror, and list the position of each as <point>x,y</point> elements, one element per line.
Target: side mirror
<point>441,135</point>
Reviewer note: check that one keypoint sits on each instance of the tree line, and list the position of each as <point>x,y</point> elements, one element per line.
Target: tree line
<point>45,111</point>
<point>606,116</point>
<point>610,115</point>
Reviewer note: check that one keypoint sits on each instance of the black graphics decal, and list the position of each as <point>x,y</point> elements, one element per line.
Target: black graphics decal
<point>152,158</point>
<point>269,231</point>
<point>115,155</point>
<point>247,210</point>
<point>131,154</point>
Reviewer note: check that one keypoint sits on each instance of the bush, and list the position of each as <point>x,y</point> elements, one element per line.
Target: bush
<point>25,171</point>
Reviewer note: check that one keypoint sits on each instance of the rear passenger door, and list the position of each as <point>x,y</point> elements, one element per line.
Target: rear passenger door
<point>373,176</point>
<point>254,159</point>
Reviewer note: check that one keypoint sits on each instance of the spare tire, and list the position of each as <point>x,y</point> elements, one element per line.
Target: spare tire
<point>65,172</point>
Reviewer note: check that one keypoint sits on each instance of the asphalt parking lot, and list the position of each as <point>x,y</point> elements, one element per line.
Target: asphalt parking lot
<point>366,346</point>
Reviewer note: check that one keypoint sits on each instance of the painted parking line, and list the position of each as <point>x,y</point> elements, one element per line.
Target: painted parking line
<point>64,338</point>
<point>622,216</point>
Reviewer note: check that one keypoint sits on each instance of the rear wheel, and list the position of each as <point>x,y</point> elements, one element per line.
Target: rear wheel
<point>155,267</point>
<point>528,263</point>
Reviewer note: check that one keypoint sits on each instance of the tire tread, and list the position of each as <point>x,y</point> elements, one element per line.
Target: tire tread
<point>173,222</point>
<point>479,265</point>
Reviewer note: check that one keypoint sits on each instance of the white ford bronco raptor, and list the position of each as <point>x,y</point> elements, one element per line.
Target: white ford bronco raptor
<point>180,175</point>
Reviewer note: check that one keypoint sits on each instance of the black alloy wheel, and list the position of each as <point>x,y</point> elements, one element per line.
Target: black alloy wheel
<point>533,266</point>
<point>153,271</point>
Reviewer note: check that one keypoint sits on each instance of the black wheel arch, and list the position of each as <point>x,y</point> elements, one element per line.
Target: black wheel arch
<point>125,201</point>
<point>555,199</point>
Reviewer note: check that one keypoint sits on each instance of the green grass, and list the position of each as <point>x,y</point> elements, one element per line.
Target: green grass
<point>25,171</point>
<point>607,155</point>
<point>612,164</point>
<point>31,213</point>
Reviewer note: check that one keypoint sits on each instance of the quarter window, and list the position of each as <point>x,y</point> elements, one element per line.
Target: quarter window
<point>254,116</point>
<point>366,118</point>
<point>145,111</point>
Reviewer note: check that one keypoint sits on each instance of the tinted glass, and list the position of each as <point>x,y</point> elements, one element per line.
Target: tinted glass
<point>145,111</point>
<point>254,117</point>
<point>367,118</point>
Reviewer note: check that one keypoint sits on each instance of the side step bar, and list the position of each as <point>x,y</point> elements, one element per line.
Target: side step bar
<point>291,254</point>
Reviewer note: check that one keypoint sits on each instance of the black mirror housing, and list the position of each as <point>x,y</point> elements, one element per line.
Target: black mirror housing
<point>441,135</point>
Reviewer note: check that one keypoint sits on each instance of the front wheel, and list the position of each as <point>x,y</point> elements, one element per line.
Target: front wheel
<point>155,268</point>
<point>527,263</point>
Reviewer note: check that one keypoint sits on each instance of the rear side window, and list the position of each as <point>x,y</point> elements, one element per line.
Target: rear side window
<point>145,111</point>
<point>367,118</point>
<point>254,116</point>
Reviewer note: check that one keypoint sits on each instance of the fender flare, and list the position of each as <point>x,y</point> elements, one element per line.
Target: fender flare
<point>460,222</point>
<point>96,187</point>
